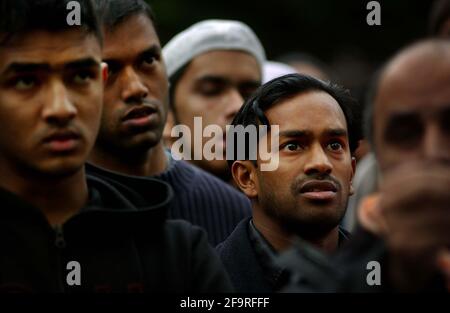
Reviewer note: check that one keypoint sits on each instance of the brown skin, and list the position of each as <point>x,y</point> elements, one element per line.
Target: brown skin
<point>313,146</point>
<point>444,31</point>
<point>412,142</point>
<point>137,79</point>
<point>214,87</point>
<point>37,102</point>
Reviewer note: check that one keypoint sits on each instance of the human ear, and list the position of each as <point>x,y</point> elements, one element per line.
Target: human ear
<point>244,175</point>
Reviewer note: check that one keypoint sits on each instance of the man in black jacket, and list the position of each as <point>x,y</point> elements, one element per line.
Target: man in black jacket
<point>60,230</point>
<point>307,194</point>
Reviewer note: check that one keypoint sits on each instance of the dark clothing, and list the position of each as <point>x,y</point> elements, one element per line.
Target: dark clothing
<point>250,260</point>
<point>120,246</point>
<point>266,254</point>
<point>200,198</point>
<point>345,271</point>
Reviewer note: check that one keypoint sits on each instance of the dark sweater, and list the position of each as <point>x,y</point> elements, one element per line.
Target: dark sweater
<point>120,247</point>
<point>200,198</point>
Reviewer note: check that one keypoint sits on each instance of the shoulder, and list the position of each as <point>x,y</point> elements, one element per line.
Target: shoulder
<point>203,178</point>
<point>183,231</point>
<point>237,242</point>
<point>189,246</point>
<point>200,182</point>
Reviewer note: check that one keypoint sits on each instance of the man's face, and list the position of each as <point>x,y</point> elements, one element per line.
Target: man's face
<point>214,86</point>
<point>51,92</point>
<point>135,102</point>
<point>310,189</point>
<point>412,114</point>
<point>444,31</point>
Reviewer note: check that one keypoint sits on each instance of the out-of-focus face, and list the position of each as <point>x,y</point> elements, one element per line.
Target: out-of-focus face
<point>310,189</point>
<point>136,93</point>
<point>214,87</point>
<point>412,112</point>
<point>51,92</point>
<point>444,31</point>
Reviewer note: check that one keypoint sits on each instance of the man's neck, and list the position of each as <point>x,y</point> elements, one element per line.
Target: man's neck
<point>281,239</point>
<point>58,199</point>
<point>152,163</point>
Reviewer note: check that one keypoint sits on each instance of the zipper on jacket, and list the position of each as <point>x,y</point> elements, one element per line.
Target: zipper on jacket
<point>60,242</point>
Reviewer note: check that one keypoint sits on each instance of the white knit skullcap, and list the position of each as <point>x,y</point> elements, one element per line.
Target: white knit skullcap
<point>274,70</point>
<point>211,35</point>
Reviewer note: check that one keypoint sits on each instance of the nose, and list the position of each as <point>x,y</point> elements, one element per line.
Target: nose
<point>58,108</point>
<point>133,89</point>
<point>317,162</point>
<point>234,103</point>
<point>436,144</point>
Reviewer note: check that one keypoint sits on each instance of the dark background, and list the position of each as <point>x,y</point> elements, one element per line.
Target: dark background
<point>335,31</point>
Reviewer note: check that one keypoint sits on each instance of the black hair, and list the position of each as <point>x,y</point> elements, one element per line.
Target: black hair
<point>114,12</point>
<point>18,17</point>
<point>285,87</point>
<point>439,13</point>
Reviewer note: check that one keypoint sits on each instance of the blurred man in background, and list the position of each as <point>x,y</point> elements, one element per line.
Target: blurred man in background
<point>213,66</point>
<point>406,226</point>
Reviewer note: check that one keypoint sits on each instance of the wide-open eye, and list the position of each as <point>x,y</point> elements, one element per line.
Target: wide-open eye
<point>335,146</point>
<point>292,146</point>
<point>149,58</point>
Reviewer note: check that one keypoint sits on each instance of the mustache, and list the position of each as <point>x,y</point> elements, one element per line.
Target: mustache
<point>137,101</point>
<point>45,134</point>
<point>301,180</point>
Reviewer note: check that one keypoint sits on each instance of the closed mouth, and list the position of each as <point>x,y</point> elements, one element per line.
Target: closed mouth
<point>62,136</point>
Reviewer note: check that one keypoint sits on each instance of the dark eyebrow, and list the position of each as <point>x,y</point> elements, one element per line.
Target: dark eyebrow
<point>152,50</point>
<point>34,67</point>
<point>213,79</point>
<point>84,63</point>
<point>338,132</point>
<point>26,67</point>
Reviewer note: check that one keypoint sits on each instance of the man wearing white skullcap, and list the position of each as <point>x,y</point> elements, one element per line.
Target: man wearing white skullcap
<point>213,66</point>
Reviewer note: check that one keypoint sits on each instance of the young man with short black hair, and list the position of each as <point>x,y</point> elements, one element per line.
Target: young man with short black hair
<point>54,217</point>
<point>307,194</point>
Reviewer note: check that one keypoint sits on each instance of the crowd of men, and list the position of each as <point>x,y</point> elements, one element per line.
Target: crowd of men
<point>87,173</point>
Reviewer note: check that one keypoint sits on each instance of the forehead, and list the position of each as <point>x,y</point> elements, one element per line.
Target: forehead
<point>416,85</point>
<point>50,48</point>
<point>229,64</point>
<point>129,38</point>
<point>313,111</point>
